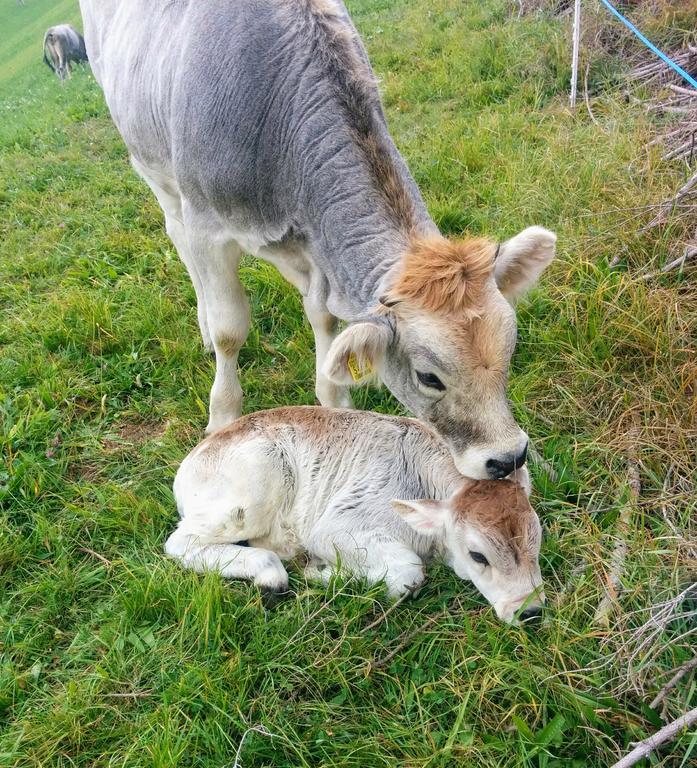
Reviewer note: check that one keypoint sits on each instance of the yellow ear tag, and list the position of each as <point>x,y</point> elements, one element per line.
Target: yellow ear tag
<point>358,373</point>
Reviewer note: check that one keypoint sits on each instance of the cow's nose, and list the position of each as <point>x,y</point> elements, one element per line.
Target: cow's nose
<point>499,468</point>
<point>531,615</point>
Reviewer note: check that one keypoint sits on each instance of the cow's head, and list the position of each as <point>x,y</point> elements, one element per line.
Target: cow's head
<point>490,535</point>
<point>444,341</point>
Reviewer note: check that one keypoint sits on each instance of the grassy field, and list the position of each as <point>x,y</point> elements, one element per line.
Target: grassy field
<point>112,656</point>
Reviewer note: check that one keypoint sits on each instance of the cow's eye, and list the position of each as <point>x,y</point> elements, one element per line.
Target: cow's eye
<point>430,380</point>
<point>478,557</point>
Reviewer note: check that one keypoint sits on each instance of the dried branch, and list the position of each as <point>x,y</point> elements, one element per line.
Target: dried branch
<point>668,205</point>
<point>586,97</point>
<point>664,511</point>
<point>679,263</point>
<point>383,616</point>
<point>681,671</point>
<point>406,639</point>
<point>667,733</point>
<point>129,695</point>
<point>96,555</point>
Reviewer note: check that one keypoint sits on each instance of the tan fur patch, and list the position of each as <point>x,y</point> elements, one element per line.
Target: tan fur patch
<point>497,507</point>
<point>444,276</point>
<point>312,420</point>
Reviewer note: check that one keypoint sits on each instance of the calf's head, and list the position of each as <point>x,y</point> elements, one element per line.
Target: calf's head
<point>490,535</point>
<point>442,342</point>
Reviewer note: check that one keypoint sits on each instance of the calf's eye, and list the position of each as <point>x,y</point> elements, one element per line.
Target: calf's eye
<point>430,380</point>
<point>478,557</point>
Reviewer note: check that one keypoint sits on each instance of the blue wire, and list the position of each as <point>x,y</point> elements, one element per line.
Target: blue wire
<point>691,80</point>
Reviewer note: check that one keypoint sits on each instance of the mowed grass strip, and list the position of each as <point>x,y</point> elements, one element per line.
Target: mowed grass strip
<point>111,655</point>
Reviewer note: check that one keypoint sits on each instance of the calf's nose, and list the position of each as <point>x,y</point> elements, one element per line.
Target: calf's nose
<point>499,468</point>
<point>531,615</point>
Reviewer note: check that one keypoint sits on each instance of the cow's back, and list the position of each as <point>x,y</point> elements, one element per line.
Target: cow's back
<point>244,102</point>
<point>134,50</point>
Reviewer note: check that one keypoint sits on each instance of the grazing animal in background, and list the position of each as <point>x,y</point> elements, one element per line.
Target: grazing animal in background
<point>378,495</point>
<point>63,44</point>
<point>258,126</point>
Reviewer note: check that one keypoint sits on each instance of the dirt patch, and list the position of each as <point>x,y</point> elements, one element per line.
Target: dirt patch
<point>122,437</point>
<point>132,432</point>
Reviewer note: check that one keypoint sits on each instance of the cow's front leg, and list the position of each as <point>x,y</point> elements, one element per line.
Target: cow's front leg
<point>324,326</point>
<point>217,259</point>
<point>169,198</point>
<point>361,553</point>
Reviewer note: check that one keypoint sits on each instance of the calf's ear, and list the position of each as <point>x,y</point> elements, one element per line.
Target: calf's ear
<point>356,354</point>
<point>425,516</point>
<point>522,259</point>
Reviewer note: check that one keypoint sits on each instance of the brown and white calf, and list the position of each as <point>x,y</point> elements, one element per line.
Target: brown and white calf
<point>379,495</point>
<point>258,126</point>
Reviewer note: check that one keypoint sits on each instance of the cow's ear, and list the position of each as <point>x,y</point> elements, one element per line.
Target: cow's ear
<point>357,354</point>
<point>522,259</point>
<point>425,516</point>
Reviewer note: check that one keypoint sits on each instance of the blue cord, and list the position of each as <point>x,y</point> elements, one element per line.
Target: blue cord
<point>691,80</point>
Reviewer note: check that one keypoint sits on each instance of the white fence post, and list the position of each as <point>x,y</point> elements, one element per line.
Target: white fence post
<point>574,62</point>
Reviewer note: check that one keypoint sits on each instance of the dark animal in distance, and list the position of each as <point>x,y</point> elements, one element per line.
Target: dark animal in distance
<point>63,44</point>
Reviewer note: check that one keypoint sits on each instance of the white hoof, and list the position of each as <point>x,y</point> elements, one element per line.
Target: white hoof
<point>272,576</point>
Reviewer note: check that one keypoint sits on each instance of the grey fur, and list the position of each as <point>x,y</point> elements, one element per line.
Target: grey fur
<point>63,44</point>
<point>258,125</point>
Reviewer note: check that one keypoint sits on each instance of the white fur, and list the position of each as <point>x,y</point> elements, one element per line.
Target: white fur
<point>286,489</point>
<point>472,461</point>
<point>529,253</point>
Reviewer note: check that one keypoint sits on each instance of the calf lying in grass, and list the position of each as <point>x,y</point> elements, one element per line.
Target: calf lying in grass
<point>376,494</point>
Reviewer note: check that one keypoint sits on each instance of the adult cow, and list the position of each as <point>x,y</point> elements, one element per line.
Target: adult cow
<point>63,44</point>
<point>258,126</point>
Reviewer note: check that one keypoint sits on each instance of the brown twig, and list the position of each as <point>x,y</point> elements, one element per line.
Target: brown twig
<point>667,733</point>
<point>129,695</point>
<point>394,605</point>
<point>669,205</point>
<point>666,517</point>
<point>91,552</point>
<point>406,639</point>
<point>586,97</point>
<point>681,671</point>
<point>679,263</point>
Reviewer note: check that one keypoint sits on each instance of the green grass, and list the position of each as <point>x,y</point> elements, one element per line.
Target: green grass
<point>112,656</point>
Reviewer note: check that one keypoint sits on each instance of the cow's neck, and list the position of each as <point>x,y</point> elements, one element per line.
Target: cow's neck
<point>357,235</point>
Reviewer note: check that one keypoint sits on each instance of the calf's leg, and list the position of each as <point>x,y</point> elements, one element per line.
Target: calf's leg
<point>231,561</point>
<point>362,553</point>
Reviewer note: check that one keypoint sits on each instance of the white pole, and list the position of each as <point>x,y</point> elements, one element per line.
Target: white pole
<point>574,62</point>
